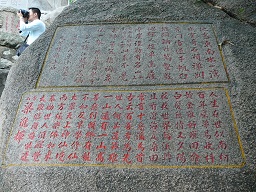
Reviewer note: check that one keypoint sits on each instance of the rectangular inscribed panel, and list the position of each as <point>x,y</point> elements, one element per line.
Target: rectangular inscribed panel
<point>160,128</point>
<point>133,54</point>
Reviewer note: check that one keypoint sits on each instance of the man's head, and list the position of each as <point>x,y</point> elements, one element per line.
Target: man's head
<point>34,13</point>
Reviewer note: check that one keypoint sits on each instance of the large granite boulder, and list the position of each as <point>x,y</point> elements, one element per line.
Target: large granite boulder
<point>132,96</point>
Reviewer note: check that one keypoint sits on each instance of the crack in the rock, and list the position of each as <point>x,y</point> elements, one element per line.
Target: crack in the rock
<point>233,15</point>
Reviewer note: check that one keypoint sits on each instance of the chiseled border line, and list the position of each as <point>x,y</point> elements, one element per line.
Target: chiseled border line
<point>134,166</point>
<point>136,23</point>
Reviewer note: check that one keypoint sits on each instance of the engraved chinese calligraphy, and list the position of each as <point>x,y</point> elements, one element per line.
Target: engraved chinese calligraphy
<point>9,22</point>
<point>169,128</point>
<point>133,54</point>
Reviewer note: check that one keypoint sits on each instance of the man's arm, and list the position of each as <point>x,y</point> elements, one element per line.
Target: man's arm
<point>30,26</point>
<point>22,24</point>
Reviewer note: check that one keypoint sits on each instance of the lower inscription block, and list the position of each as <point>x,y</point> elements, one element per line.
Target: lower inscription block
<point>168,128</point>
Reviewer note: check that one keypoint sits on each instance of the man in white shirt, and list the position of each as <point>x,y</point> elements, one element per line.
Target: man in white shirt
<point>34,28</point>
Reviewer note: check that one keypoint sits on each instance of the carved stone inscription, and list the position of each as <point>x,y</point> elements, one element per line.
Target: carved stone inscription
<point>169,128</point>
<point>9,22</point>
<point>131,54</point>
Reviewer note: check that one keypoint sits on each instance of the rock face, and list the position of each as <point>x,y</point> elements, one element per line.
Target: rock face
<point>6,62</point>
<point>244,11</point>
<point>9,40</point>
<point>132,96</point>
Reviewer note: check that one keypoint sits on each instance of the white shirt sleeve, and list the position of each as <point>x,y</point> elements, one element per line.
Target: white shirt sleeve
<point>24,33</point>
<point>35,25</point>
<point>34,29</point>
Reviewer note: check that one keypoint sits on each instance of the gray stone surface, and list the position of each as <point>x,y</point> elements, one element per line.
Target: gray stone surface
<point>149,54</point>
<point>242,10</point>
<point>237,41</point>
<point>9,43</point>
<point>10,40</point>
<point>9,22</point>
<point>122,128</point>
<point>6,62</point>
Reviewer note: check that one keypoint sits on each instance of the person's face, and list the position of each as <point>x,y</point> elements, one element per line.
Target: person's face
<point>32,16</point>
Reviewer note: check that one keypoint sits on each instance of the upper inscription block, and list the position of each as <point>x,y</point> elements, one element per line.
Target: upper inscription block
<point>133,54</point>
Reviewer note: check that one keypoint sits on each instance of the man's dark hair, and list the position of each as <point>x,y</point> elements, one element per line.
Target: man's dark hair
<point>36,10</point>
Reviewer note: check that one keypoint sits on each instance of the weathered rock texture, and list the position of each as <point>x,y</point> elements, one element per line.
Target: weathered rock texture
<point>237,40</point>
<point>239,9</point>
<point>9,40</point>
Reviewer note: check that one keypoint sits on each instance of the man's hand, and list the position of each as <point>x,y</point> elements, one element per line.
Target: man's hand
<point>20,14</point>
<point>22,19</point>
